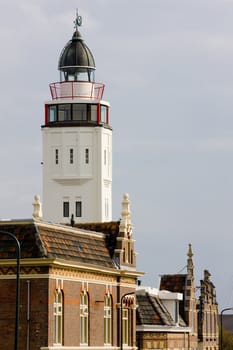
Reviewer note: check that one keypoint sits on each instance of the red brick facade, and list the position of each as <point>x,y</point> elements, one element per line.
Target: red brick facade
<point>41,277</point>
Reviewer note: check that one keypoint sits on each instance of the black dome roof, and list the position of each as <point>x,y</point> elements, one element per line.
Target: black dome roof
<point>76,54</point>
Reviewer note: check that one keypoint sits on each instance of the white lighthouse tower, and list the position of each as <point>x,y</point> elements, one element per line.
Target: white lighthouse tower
<point>77,141</point>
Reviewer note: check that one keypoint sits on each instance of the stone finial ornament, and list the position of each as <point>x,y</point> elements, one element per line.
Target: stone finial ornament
<point>125,224</point>
<point>37,212</point>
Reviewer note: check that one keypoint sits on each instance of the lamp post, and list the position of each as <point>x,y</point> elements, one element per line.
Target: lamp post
<point>18,251</point>
<point>221,334</point>
<point>122,297</point>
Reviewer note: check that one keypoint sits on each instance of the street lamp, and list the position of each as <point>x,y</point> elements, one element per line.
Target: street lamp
<point>122,297</point>
<point>18,251</point>
<point>221,337</point>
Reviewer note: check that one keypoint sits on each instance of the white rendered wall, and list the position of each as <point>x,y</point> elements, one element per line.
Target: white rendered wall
<point>89,183</point>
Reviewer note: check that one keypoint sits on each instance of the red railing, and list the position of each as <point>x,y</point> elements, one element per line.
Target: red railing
<point>76,89</point>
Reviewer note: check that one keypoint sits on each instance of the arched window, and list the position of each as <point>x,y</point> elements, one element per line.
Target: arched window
<point>84,318</point>
<point>107,319</point>
<point>127,317</point>
<point>58,317</point>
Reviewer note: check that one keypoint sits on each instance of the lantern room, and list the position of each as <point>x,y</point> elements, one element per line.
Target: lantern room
<point>76,98</point>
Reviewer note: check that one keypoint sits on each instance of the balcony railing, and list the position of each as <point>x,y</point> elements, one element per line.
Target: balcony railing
<point>76,89</point>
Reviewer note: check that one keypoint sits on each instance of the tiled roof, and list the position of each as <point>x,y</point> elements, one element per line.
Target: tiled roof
<point>151,311</point>
<point>110,229</point>
<point>173,283</point>
<point>42,240</point>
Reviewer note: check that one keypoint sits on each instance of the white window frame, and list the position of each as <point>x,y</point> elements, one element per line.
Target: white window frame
<point>58,317</point>
<point>107,319</point>
<point>125,326</point>
<point>84,318</point>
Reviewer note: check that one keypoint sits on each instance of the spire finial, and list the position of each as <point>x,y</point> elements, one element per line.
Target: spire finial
<point>190,266</point>
<point>77,21</point>
<point>190,253</point>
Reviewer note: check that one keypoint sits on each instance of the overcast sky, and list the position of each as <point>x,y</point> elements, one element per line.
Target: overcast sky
<point>168,70</point>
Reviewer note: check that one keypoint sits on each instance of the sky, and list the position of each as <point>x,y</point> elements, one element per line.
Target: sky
<point>167,67</point>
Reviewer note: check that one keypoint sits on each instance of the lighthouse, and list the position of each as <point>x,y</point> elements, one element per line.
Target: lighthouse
<point>77,141</point>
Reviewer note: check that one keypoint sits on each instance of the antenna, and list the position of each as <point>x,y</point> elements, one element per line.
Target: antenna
<point>77,21</point>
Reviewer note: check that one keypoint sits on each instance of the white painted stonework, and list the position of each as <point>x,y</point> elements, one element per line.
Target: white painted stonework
<point>88,182</point>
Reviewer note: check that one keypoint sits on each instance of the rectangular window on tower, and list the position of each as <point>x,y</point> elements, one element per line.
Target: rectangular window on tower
<point>71,156</point>
<point>78,209</point>
<point>64,112</point>
<point>52,113</point>
<point>87,155</point>
<point>106,208</point>
<point>80,111</point>
<point>93,112</point>
<point>56,156</point>
<point>104,114</point>
<point>66,209</point>
<point>105,157</point>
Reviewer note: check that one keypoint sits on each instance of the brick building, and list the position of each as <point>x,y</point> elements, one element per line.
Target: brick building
<point>174,318</point>
<point>78,281</point>
<point>208,334</point>
<point>159,323</point>
<point>72,285</point>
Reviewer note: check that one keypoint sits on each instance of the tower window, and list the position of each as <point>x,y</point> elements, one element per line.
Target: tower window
<point>104,114</point>
<point>80,111</point>
<point>52,113</point>
<point>71,156</point>
<point>105,157</point>
<point>64,112</point>
<point>93,112</point>
<point>66,209</point>
<point>106,208</point>
<point>86,155</point>
<point>56,156</point>
<point>78,209</point>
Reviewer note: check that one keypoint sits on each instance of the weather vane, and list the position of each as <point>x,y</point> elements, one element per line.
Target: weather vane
<point>78,20</point>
